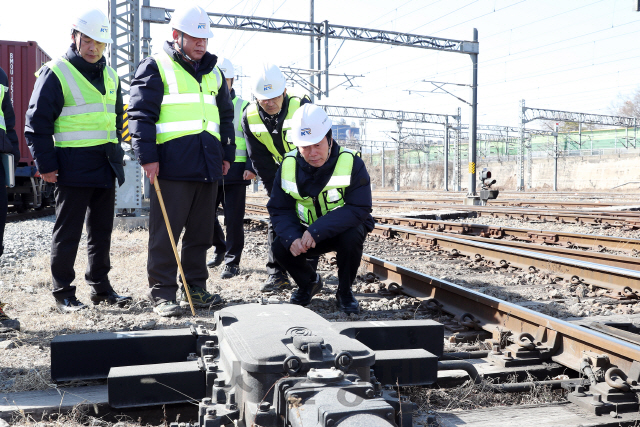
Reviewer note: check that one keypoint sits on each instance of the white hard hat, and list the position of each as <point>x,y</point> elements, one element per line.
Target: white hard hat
<point>269,83</point>
<point>93,23</point>
<point>227,68</point>
<point>310,125</point>
<point>192,20</point>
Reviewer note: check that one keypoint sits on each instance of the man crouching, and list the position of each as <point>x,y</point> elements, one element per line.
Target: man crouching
<point>320,202</point>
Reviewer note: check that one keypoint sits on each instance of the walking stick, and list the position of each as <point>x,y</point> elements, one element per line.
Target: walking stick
<point>156,184</point>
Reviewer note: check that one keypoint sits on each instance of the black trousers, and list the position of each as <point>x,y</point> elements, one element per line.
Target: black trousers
<point>190,206</point>
<point>3,207</point>
<point>273,267</point>
<point>348,247</point>
<point>74,205</point>
<point>232,198</point>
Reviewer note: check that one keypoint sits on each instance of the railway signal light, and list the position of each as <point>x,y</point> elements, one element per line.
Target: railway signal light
<point>487,182</point>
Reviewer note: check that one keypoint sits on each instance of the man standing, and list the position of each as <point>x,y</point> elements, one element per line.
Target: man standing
<point>8,138</point>
<point>73,129</point>
<point>321,202</point>
<point>232,191</point>
<point>181,123</point>
<point>266,126</point>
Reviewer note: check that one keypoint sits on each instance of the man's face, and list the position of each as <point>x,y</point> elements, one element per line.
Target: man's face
<point>316,155</point>
<point>229,83</point>
<point>273,105</point>
<point>88,49</point>
<point>195,48</point>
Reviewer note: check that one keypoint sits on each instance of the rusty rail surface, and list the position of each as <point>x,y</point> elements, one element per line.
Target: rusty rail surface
<point>576,266</point>
<point>568,343</point>
<point>563,239</point>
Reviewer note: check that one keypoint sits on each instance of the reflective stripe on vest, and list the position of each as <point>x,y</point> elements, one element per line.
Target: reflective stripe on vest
<point>188,107</point>
<point>241,145</point>
<point>88,118</point>
<point>259,130</point>
<point>3,89</point>
<point>332,195</point>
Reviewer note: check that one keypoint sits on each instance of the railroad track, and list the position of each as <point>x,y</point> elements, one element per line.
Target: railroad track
<point>507,202</point>
<point>622,219</point>
<point>616,273</point>
<point>554,238</point>
<point>31,214</point>
<point>551,338</point>
<point>619,274</point>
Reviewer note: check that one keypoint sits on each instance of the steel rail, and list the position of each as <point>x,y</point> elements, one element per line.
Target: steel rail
<point>569,343</point>
<point>507,202</point>
<point>571,265</point>
<point>609,218</point>
<point>616,273</point>
<point>550,237</point>
<point>30,214</point>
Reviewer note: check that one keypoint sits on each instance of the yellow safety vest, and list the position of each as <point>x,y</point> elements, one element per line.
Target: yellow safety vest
<point>188,107</point>
<point>241,145</point>
<point>88,118</point>
<point>309,209</point>
<point>3,125</point>
<point>259,130</point>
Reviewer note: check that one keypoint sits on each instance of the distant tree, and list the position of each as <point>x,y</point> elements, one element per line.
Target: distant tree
<point>629,106</point>
<point>565,127</point>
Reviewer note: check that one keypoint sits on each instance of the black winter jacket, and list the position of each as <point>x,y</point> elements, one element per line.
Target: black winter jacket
<point>189,158</point>
<point>311,180</point>
<point>9,119</point>
<point>262,159</point>
<point>234,176</point>
<point>77,166</point>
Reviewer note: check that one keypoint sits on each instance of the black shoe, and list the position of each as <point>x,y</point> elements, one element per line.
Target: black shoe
<point>69,305</point>
<point>230,270</point>
<point>347,303</point>
<point>111,297</point>
<point>6,321</point>
<point>303,295</point>
<point>276,282</point>
<point>216,261</point>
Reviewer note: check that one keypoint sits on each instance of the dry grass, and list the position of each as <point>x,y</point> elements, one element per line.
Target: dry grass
<point>469,396</point>
<point>80,416</point>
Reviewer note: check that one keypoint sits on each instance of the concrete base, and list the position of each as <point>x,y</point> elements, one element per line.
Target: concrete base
<point>472,201</point>
<point>551,415</point>
<point>40,404</point>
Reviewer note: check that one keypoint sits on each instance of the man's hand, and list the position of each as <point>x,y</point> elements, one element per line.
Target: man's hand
<point>307,241</point>
<point>50,176</point>
<point>151,170</point>
<point>297,247</point>
<point>225,167</point>
<point>248,175</point>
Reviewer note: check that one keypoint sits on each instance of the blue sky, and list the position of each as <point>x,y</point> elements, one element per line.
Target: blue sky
<point>573,55</point>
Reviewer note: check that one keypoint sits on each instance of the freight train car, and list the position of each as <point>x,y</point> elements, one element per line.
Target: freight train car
<point>20,60</point>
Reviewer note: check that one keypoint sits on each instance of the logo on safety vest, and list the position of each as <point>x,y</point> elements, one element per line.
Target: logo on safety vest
<point>104,29</point>
<point>305,131</point>
<point>267,87</point>
<point>202,26</point>
<point>112,92</point>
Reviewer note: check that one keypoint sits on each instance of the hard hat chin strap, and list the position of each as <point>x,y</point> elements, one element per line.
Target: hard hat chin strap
<point>181,48</point>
